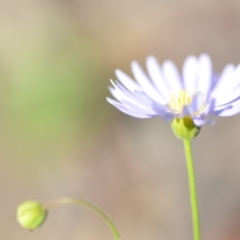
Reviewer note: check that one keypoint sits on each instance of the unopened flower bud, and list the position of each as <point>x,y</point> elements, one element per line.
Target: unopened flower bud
<point>31,215</point>
<point>184,128</point>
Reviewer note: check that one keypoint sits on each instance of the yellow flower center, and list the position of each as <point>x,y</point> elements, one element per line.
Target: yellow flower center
<point>178,101</point>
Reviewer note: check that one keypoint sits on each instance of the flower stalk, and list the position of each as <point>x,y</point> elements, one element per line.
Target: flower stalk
<point>92,207</point>
<point>31,214</point>
<point>192,189</point>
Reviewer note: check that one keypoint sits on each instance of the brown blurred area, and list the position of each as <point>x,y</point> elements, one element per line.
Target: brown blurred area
<point>59,137</point>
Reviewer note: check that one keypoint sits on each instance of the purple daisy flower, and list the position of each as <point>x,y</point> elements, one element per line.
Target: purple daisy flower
<point>164,92</point>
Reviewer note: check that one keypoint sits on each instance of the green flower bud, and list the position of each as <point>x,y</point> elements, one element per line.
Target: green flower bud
<point>184,128</point>
<point>31,215</point>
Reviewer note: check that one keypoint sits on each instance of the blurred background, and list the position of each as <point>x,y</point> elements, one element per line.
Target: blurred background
<point>59,137</point>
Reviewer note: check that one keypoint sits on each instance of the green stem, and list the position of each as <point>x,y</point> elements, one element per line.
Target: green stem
<point>192,189</point>
<point>89,205</point>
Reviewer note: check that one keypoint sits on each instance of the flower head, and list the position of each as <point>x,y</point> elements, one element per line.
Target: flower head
<point>31,214</point>
<point>165,92</point>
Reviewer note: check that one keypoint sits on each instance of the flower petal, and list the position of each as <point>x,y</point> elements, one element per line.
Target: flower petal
<point>210,106</point>
<point>128,82</point>
<point>164,112</point>
<point>145,83</point>
<point>121,93</point>
<point>197,103</point>
<point>201,121</point>
<point>139,109</point>
<point>172,77</point>
<point>230,90</point>
<point>230,112</point>
<point>222,82</point>
<point>126,110</point>
<point>204,74</point>
<point>190,74</point>
<point>154,71</point>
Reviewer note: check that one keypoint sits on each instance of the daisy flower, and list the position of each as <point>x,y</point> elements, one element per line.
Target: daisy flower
<point>164,92</point>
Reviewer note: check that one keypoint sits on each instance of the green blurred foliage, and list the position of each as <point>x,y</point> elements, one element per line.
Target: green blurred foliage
<point>52,99</point>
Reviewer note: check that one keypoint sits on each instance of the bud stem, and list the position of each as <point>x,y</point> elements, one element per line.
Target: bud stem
<point>88,205</point>
<point>192,189</point>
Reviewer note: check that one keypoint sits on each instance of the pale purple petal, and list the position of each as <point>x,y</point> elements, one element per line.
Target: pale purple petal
<point>121,93</point>
<point>218,110</point>
<point>145,83</point>
<point>172,77</point>
<point>167,117</point>
<point>224,92</point>
<point>164,112</point>
<point>222,82</point>
<point>190,74</point>
<point>154,71</point>
<point>233,97</point>
<point>128,82</point>
<point>232,89</point>
<point>201,121</point>
<point>185,112</point>
<point>197,103</point>
<point>204,74</point>
<point>126,110</point>
<point>230,112</point>
<point>140,109</point>
<point>210,106</point>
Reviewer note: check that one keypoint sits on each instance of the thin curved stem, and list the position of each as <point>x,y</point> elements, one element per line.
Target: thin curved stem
<point>192,189</point>
<point>90,206</point>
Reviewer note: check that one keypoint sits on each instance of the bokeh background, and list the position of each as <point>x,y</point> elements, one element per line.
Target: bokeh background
<point>59,137</point>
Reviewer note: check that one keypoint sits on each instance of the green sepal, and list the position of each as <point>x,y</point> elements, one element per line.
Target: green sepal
<point>184,128</point>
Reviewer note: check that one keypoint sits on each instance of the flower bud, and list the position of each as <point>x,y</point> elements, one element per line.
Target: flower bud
<point>31,215</point>
<point>184,128</point>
